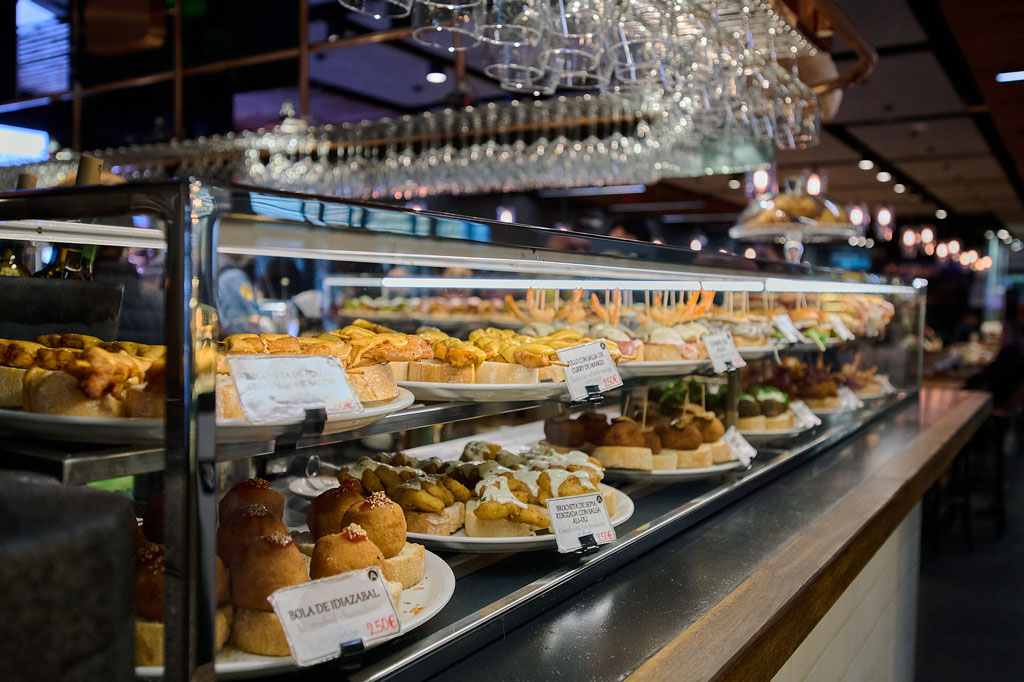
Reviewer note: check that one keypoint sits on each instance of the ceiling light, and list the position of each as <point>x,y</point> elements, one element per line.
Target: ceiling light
<point>883,176</point>
<point>899,188</point>
<point>865,164</point>
<point>929,249</point>
<point>761,180</point>
<point>734,183</point>
<point>869,242</point>
<point>436,77</point>
<point>857,215</point>
<point>954,246</point>
<point>750,253</point>
<point>852,241</point>
<point>941,214</point>
<point>506,214</point>
<point>861,241</point>
<point>883,217</point>
<point>695,245</point>
<point>909,238</point>
<point>813,184</point>
<point>927,235</point>
<point>941,250</point>
<point>1017,245</point>
<point>989,234</point>
<point>1003,234</point>
<point>1009,76</point>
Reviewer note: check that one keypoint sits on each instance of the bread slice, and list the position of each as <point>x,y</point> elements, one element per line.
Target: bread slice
<point>662,352</point>
<point>505,373</point>
<point>406,567</point>
<point>720,452</point>
<point>749,341</point>
<point>625,457</point>
<point>373,384</point>
<point>143,404</point>
<point>229,406</point>
<point>304,541</point>
<point>149,637</point>
<point>552,373</point>
<point>495,528</point>
<point>694,459</point>
<point>751,423</point>
<point>400,370</point>
<point>786,420</point>
<point>52,392</point>
<point>12,381</point>
<point>443,523</point>
<point>259,632</point>
<point>395,590</point>
<point>666,459</point>
<point>832,402</point>
<point>438,372</point>
<point>609,498</point>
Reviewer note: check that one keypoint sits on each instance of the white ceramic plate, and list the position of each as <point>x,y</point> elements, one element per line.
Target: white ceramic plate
<point>666,368</point>
<point>140,431</point>
<point>419,604</point>
<point>755,352</point>
<point>485,393</point>
<point>670,475</point>
<point>773,434</point>
<point>459,542</point>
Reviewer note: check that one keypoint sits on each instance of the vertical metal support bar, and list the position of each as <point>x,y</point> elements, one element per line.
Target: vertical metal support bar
<point>76,85</point>
<point>732,399</point>
<point>303,59</point>
<point>921,299</point>
<point>179,78</point>
<point>189,481</point>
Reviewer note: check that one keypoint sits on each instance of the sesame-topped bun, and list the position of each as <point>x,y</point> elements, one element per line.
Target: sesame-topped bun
<point>348,550</point>
<point>327,510</point>
<point>383,521</point>
<point>252,491</point>
<point>244,526</point>
<point>264,566</point>
<point>149,581</point>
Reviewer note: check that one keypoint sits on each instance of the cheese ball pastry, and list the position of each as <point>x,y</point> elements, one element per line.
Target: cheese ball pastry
<point>349,550</point>
<point>383,521</point>
<point>680,437</point>
<point>253,522</point>
<point>252,491</point>
<point>329,507</point>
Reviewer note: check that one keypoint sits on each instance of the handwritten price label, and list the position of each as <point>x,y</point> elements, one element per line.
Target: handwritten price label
<point>280,388</point>
<point>804,417</point>
<point>319,616</point>
<point>590,364</point>
<point>723,353</point>
<point>575,517</point>
<point>741,449</point>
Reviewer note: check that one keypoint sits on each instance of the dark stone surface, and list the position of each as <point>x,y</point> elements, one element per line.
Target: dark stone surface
<point>66,571</point>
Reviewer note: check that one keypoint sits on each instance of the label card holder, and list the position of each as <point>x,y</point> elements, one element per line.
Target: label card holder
<point>784,323</point>
<point>849,398</point>
<point>840,328</point>
<point>323,618</point>
<point>590,366</point>
<point>722,352</point>
<point>887,387</point>
<point>805,418</point>
<point>741,449</point>
<point>580,522</point>
<point>280,388</point>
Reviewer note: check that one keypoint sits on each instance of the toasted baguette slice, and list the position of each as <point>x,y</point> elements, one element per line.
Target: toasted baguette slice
<point>406,567</point>
<point>140,403</point>
<point>786,420</point>
<point>720,452</point>
<point>625,457</point>
<point>51,392</point>
<point>395,590</point>
<point>443,523</point>
<point>149,636</point>
<point>12,382</point>
<point>436,371</point>
<point>751,423</point>
<point>259,632</point>
<point>694,459</point>
<point>666,459</point>
<point>609,497</point>
<point>229,406</point>
<point>832,402</point>
<point>505,373</point>
<point>494,528</point>
<point>373,384</point>
<point>400,370</point>
<point>552,373</point>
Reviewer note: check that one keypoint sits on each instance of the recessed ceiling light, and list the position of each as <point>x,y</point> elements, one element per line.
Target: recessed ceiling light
<point>1009,76</point>
<point>436,77</point>
<point>941,214</point>
<point>865,164</point>
<point>734,183</point>
<point>1002,234</point>
<point>883,176</point>
<point>899,188</point>
<point>989,234</point>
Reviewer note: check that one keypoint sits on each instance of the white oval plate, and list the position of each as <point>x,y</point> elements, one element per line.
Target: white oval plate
<point>773,434</point>
<point>755,352</point>
<point>485,393</point>
<point>123,430</point>
<point>460,542</point>
<point>419,604</point>
<point>670,475</point>
<point>661,368</point>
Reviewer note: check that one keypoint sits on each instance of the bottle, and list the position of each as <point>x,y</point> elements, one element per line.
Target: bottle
<point>71,261</point>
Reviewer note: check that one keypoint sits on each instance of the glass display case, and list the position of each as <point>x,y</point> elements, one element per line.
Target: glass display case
<point>449,332</point>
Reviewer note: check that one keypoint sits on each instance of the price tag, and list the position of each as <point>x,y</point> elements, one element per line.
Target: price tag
<point>741,449</point>
<point>887,387</point>
<point>849,398</point>
<point>279,388</point>
<point>805,418</point>
<point>784,323</point>
<point>723,353</point>
<point>840,328</point>
<point>590,364</point>
<point>580,520</point>
<point>319,616</point>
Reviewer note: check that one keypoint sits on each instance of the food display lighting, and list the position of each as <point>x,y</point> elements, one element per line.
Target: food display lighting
<point>813,184</point>
<point>865,164</point>
<point>954,246</point>
<point>941,214</point>
<point>899,188</point>
<point>909,238</point>
<point>927,235</point>
<point>883,217</point>
<point>750,253</point>
<point>761,179</point>
<point>857,215</point>
<point>734,183</point>
<point>883,176</point>
<point>941,250</point>
<point>929,249</point>
<point>1002,234</point>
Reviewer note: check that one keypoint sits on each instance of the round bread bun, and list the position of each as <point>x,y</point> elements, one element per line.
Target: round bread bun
<point>686,438</point>
<point>383,521</point>
<point>711,429</point>
<point>259,632</point>
<point>143,404</point>
<point>153,518</point>
<point>256,521</point>
<point>329,507</point>
<point>264,566</point>
<point>251,491</point>
<point>149,582</point>
<point>50,392</point>
<point>349,550</point>
<point>373,384</point>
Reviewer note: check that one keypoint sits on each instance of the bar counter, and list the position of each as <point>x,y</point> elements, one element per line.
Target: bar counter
<point>733,597</point>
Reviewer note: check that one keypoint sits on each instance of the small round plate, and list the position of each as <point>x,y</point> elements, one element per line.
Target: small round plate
<point>667,368</point>
<point>670,475</point>
<point>485,393</point>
